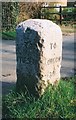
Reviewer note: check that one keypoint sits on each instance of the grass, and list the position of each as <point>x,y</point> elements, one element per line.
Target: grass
<point>9,35</point>
<point>68,29</point>
<point>58,101</point>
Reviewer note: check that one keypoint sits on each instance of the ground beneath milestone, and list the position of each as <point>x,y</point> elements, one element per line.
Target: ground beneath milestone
<point>9,61</point>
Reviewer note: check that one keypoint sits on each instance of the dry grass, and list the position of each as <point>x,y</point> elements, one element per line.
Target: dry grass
<point>68,29</point>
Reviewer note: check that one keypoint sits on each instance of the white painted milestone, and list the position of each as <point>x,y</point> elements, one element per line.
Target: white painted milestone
<point>39,54</point>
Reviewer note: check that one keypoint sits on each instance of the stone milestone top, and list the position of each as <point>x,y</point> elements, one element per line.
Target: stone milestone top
<point>38,24</point>
<point>39,54</point>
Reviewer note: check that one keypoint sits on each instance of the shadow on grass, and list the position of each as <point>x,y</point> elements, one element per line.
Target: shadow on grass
<point>7,87</point>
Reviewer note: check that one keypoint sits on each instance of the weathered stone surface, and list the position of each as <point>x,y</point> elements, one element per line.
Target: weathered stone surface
<point>39,54</point>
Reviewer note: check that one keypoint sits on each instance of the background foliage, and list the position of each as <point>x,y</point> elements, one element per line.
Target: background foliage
<point>9,15</point>
<point>15,12</point>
